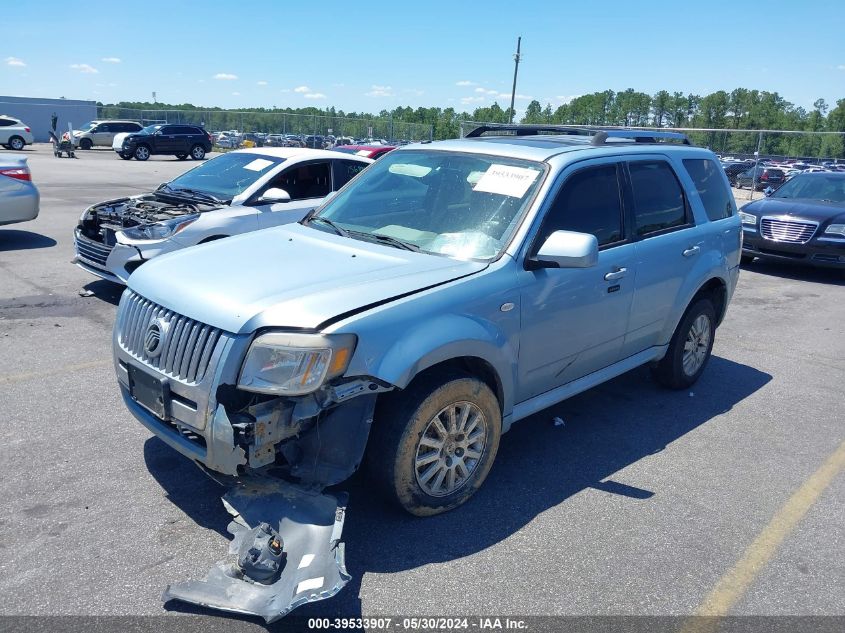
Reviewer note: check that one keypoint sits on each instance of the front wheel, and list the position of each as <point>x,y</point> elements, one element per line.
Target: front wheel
<point>86,144</point>
<point>433,444</point>
<point>197,152</point>
<point>690,347</point>
<point>142,152</point>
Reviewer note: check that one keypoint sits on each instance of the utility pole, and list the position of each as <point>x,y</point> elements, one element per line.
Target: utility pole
<point>515,70</point>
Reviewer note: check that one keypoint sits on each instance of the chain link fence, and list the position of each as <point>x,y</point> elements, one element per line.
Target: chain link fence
<point>754,151</point>
<point>358,129</point>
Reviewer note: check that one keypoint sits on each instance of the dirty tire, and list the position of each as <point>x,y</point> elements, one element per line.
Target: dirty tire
<point>86,144</point>
<point>746,259</point>
<point>181,156</point>
<point>142,152</point>
<point>16,143</point>
<point>403,418</point>
<point>197,152</point>
<point>671,371</point>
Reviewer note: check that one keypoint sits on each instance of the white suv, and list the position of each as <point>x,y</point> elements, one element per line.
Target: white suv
<point>14,133</point>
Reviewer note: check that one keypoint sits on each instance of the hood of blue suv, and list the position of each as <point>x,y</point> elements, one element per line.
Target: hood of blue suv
<point>291,276</point>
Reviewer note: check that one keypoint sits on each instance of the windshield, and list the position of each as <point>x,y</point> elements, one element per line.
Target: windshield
<point>87,126</point>
<point>150,129</point>
<point>228,175</point>
<point>460,205</point>
<point>813,187</point>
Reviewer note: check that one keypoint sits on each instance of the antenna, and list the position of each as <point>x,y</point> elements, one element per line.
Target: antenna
<point>516,59</point>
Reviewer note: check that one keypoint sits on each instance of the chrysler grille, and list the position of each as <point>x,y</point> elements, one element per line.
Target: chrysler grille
<point>796,232</point>
<point>187,344</point>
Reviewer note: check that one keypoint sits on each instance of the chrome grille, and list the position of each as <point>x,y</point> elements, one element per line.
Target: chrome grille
<point>188,344</point>
<point>779,230</point>
<point>89,250</point>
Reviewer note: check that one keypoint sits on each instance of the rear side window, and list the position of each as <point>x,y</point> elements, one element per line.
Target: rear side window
<point>658,198</point>
<point>589,202</point>
<point>6,122</point>
<point>346,170</point>
<point>715,195</point>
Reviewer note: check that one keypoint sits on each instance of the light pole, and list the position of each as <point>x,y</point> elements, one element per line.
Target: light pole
<point>515,70</point>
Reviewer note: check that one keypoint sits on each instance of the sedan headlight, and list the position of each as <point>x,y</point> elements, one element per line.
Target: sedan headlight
<point>747,218</point>
<point>835,229</point>
<point>292,364</point>
<point>160,230</point>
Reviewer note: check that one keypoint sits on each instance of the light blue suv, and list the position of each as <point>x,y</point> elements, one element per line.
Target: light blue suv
<point>448,291</point>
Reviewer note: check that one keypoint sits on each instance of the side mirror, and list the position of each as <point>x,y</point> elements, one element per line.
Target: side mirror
<point>568,249</point>
<point>274,194</point>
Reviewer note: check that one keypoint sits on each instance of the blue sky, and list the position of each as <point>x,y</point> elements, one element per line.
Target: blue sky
<point>369,56</point>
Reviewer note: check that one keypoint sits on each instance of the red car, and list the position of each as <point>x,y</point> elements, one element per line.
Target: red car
<point>367,151</point>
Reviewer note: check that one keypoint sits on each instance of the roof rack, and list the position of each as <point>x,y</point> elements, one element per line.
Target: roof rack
<point>599,134</point>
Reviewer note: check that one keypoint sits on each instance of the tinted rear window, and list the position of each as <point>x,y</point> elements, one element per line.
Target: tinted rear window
<point>715,195</point>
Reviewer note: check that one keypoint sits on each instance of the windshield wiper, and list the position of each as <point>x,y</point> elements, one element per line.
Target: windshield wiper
<point>393,241</point>
<point>337,229</point>
<point>197,194</point>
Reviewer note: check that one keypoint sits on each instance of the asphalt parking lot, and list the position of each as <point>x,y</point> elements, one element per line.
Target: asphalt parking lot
<point>643,502</point>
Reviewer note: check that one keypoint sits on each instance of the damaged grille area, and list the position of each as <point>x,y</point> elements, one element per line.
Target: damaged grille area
<point>91,251</point>
<point>186,346</point>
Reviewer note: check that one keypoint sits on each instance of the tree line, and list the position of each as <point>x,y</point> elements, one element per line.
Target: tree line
<point>738,113</point>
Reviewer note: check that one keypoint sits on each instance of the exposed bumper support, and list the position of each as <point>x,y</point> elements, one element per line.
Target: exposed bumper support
<point>310,524</point>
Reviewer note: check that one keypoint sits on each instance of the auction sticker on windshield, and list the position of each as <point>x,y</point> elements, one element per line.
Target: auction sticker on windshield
<point>506,180</point>
<point>259,164</point>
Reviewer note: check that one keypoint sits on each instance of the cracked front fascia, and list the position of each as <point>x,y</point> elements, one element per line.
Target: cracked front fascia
<point>224,455</point>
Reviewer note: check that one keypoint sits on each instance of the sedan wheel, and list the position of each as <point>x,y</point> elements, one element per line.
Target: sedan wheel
<point>142,152</point>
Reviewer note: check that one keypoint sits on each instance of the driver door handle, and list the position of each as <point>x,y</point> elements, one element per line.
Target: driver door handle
<point>692,250</point>
<point>616,274</point>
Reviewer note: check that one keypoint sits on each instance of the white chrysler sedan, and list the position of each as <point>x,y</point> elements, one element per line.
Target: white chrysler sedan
<point>236,192</point>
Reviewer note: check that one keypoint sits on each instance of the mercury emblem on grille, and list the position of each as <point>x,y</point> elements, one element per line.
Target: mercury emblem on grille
<point>155,337</point>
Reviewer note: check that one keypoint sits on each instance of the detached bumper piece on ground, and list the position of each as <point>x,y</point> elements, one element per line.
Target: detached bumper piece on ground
<point>286,552</point>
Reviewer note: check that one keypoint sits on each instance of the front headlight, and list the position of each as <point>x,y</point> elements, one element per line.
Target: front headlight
<point>747,218</point>
<point>291,364</point>
<point>835,229</point>
<point>160,230</point>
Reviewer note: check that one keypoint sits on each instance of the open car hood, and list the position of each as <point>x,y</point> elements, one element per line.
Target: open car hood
<point>290,276</point>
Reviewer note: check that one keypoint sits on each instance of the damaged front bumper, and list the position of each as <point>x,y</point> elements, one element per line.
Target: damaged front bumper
<point>282,453</point>
<point>309,558</point>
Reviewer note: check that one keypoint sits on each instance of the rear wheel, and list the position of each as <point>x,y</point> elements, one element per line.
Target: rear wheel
<point>197,152</point>
<point>690,347</point>
<point>16,143</point>
<point>86,144</point>
<point>142,152</point>
<point>433,444</point>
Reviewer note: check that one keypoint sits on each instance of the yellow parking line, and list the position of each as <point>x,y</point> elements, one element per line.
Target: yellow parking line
<point>52,372</point>
<point>733,585</point>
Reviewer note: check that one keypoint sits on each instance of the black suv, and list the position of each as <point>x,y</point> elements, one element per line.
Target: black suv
<point>180,141</point>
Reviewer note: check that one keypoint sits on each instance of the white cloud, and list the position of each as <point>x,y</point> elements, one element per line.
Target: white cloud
<point>467,100</point>
<point>485,91</point>
<point>314,95</point>
<point>260,83</point>
<point>225,76</point>
<point>85,68</point>
<point>566,98</point>
<point>302,89</point>
<point>840,67</point>
<point>379,91</point>
<point>285,90</point>
<point>414,91</point>
<point>236,94</point>
<point>14,61</point>
<point>111,60</point>
<point>465,83</point>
